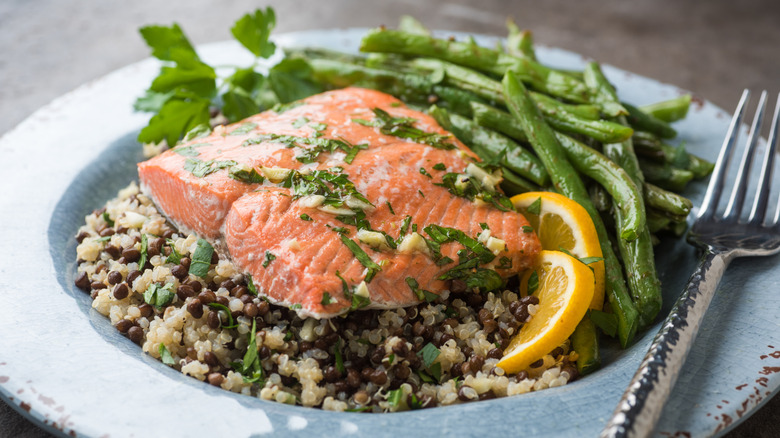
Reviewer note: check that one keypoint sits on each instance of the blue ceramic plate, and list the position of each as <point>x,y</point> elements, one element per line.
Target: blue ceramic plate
<point>63,365</point>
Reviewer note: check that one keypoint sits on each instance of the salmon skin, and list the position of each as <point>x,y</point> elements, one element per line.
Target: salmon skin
<point>331,206</point>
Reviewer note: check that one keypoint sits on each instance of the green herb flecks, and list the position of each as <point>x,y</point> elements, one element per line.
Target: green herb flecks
<point>439,166</point>
<point>249,176</point>
<point>425,172</point>
<point>535,207</point>
<point>390,207</point>
<point>244,128</point>
<point>159,296</point>
<point>358,301</point>
<point>470,258</point>
<point>533,283</point>
<point>250,284</point>
<point>318,146</point>
<point>269,257</point>
<point>250,367</point>
<point>107,219</point>
<point>174,257</point>
<point>229,315</point>
<point>144,251</point>
<point>201,259</point>
<point>306,217</point>
<point>528,229</point>
<point>466,186</point>
<point>403,127</point>
<point>165,355</point>
<point>200,168</point>
<point>363,258</point>
<point>395,397</point>
<point>300,121</point>
<point>421,294</point>
<point>336,188</point>
<point>337,356</point>
<point>327,299</point>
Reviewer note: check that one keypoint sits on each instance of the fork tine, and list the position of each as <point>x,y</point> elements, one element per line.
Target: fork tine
<point>758,211</point>
<point>737,199</point>
<point>715,186</point>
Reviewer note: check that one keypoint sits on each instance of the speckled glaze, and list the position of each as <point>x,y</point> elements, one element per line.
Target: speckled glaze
<point>63,364</point>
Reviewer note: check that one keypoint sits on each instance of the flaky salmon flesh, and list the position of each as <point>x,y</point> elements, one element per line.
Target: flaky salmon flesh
<point>326,206</point>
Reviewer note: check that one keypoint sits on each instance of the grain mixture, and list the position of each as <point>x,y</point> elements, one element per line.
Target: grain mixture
<point>432,354</point>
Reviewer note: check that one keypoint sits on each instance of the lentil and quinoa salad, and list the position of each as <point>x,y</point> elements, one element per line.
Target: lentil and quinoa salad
<point>438,353</point>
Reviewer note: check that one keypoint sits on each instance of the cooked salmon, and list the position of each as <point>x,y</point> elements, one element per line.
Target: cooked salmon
<point>316,250</point>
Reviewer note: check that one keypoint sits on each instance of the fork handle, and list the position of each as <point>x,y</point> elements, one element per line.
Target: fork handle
<point>640,407</point>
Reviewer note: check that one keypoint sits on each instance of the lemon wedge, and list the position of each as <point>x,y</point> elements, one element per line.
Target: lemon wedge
<point>565,291</point>
<point>562,223</point>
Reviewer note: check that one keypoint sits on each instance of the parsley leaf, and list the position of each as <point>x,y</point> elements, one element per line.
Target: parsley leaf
<point>253,29</point>
<point>528,229</point>
<point>174,257</point>
<point>327,299</point>
<point>429,353</point>
<point>439,166</point>
<point>175,118</point>
<point>201,259</point>
<point>231,324</point>
<point>362,257</point>
<point>144,251</point>
<point>306,217</point>
<point>269,257</point>
<point>535,207</point>
<point>168,43</point>
<point>250,284</point>
<point>394,397</point>
<point>165,355</point>
<point>291,80</point>
<point>159,296</point>
<point>533,283</point>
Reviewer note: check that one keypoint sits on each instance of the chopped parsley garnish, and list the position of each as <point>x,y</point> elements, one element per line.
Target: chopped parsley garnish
<point>395,397</point>
<point>528,229</point>
<point>422,295</point>
<point>402,127</point>
<point>358,301</point>
<point>310,154</point>
<point>469,258</point>
<point>504,263</point>
<point>295,306</point>
<point>202,168</point>
<point>484,226</point>
<point>201,259</point>
<point>301,121</point>
<point>439,166</point>
<point>159,296</point>
<point>187,151</point>
<point>250,367</point>
<point>244,128</point>
<point>535,207</point>
<point>429,353</point>
<point>231,324</point>
<point>470,188</point>
<point>251,176</point>
<point>107,219</point>
<point>337,356</point>
<point>144,251</point>
<point>318,126</point>
<point>590,260</point>
<point>103,239</point>
<point>306,217</point>
<point>421,193</point>
<point>165,355</point>
<point>174,257</point>
<point>327,299</point>
<point>269,257</point>
<point>250,284</point>
<point>336,188</point>
<point>425,172</point>
<point>390,207</point>
<point>533,283</point>
<point>362,257</point>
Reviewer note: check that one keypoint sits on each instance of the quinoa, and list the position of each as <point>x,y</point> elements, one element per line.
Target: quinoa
<point>432,354</point>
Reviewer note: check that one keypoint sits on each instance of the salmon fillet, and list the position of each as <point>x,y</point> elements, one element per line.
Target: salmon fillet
<point>315,266</point>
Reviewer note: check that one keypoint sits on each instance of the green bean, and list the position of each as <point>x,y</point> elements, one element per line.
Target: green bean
<point>519,42</point>
<point>455,99</point>
<point>548,106</point>
<point>600,198</point>
<point>656,221</point>
<point>585,342</point>
<point>670,110</point>
<point>412,25</point>
<point>637,255</point>
<point>648,145</point>
<point>666,176</point>
<point>642,121</point>
<point>476,57</point>
<point>567,182</point>
<point>514,184</point>
<point>489,144</point>
<point>586,160</point>
<point>341,74</point>
<point>663,200</point>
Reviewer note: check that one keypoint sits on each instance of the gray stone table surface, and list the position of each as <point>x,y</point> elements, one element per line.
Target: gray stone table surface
<point>713,48</point>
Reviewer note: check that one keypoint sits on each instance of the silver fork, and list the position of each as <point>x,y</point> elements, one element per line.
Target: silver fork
<point>722,238</point>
